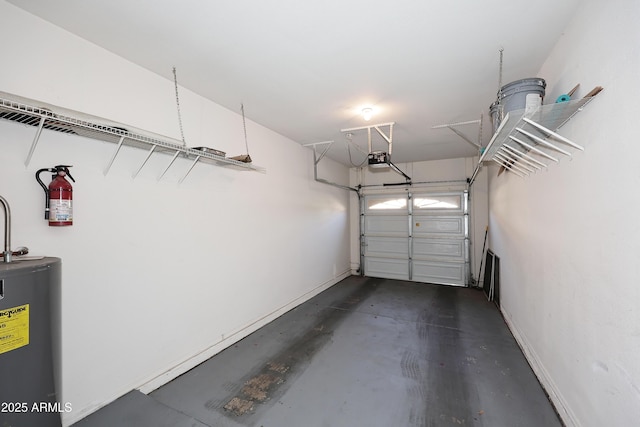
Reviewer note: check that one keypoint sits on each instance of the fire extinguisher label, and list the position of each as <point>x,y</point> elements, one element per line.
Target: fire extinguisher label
<point>14,328</point>
<point>61,210</point>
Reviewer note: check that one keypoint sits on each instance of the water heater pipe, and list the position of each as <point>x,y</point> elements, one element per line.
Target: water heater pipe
<point>7,229</point>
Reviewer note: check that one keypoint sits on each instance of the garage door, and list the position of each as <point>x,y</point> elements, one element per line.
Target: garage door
<point>423,237</point>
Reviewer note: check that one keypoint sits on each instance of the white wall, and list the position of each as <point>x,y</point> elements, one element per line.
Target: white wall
<point>159,276</point>
<point>436,176</point>
<point>569,239</point>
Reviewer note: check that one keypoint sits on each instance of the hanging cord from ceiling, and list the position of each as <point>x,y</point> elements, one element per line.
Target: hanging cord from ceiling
<point>480,133</point>
<point>500,112</point>
<point>349,142</point>
<point>245,158</point>
<point>500,84</point>
<point>175,83</point>
<point>244,126</point>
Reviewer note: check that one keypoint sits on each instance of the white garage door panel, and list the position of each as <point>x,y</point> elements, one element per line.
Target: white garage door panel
<point>421,237</point>
<point>430,225</point>
<point>451,249</point>
<point>394,247</point>
<point>387,268</point>
<point>438,272</point>
<point>386,225</point>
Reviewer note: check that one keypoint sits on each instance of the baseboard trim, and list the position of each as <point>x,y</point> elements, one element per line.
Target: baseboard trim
<point>562,407</point>
<point>232,337</point>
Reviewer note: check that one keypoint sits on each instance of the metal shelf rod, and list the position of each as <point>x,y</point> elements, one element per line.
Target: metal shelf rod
<point>552,133</point>
<point>367,127</point>
<point>189,170</point>
<point>532,148</point>
<point>512,164</point>
<point>543,142</point>
<point>316,158</point>
<point>525,155</point>
<point>153,147</point>
<point>520,156</point>
<point>173,159</point>
<point>508,168</point>
<point>35,141</point>
<point>514,159</point>
<point>113,158</point>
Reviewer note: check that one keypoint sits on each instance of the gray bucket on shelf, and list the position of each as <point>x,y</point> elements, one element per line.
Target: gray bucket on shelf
<point>513,96</point>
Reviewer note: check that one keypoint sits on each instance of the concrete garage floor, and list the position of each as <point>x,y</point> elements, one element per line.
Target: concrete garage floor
<point>366,352</point>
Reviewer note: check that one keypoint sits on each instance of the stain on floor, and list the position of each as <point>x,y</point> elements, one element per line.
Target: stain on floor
<point>267,382</point>
<point>238,406</point>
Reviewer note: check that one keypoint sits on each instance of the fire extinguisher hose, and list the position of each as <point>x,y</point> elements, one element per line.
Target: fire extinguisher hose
<point>46,190</point>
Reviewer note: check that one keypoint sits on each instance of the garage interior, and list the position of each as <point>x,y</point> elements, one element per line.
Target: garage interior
<point>367,351</point>
<point>313,266</point>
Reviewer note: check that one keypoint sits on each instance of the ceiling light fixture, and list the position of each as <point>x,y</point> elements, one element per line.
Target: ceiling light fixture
<point>366,113</point>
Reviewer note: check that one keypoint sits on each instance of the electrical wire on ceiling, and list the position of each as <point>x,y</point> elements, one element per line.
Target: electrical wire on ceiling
<point>349,141</point>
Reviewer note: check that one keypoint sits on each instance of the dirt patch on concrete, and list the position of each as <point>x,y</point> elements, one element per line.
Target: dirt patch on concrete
<point>257,388</point>
<point>238,406</point>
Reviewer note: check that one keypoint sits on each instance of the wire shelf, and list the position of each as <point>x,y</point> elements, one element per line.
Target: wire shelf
<point>551,116</point>
<point>58,119</point>
<point>527,139</point>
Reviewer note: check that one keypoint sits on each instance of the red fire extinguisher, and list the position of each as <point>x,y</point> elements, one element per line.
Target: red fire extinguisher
<point>58,196</point>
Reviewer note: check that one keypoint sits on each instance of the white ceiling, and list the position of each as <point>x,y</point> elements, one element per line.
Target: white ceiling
<point>305,69</point>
